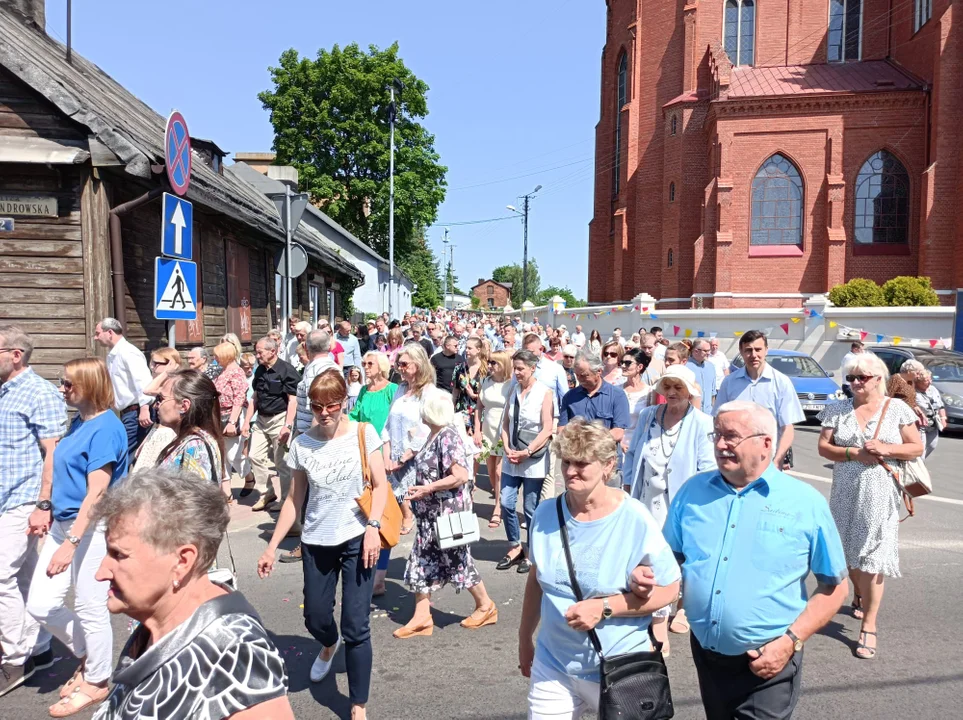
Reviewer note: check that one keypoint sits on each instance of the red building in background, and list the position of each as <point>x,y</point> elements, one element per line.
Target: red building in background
<point>754,152</point>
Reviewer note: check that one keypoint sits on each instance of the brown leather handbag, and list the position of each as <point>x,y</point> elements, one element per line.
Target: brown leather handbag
<point>391,518</point>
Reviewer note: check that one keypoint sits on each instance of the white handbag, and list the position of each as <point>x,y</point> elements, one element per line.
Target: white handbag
<point>456,529</point>
<point>915,478</point>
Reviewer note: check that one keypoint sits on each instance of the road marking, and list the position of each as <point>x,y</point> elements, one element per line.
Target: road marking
<point>933,498</point>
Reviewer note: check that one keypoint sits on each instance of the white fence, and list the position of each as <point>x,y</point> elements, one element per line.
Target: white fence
<point>819,328</point>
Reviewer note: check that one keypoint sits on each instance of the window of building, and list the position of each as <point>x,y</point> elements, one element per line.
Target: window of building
<point>672,124</point>
<point>845,24</point>
<point>491,290</point>
<point>882,201</point>
<point>620,102</point>
<point>668,261</point>
<point>671,192</point>
<point>739,32</point>
<point>491,303</point>
<point>777,192</point>
<point>924,11</point>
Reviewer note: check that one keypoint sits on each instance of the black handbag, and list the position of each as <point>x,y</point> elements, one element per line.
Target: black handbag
<point>633,686</point>
<point>521,443</point>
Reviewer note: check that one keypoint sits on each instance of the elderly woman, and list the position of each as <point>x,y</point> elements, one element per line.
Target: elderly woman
<point>865,437</point>
<point>564,667</point>
<point>441,487</point>
<point>489,412</point>
<point>612,353</point>
<point>902,386</point>
<point>200,650</point>
<point>88,459</point>
<point>162,361</point>
<point>526,432</point>
<point>232,388</point>
<point>929,401</point>
<point>337,540</point>
<point>670,445</point>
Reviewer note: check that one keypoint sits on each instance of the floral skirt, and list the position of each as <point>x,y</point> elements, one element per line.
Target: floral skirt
<point>430,568</point>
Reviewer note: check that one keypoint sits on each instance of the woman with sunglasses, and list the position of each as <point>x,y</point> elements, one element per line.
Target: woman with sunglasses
<point>634,364</point>
<point>612,353</point>
<point>860,435</point>
<point>162,361</point>
<point>337,540</point>
<point>89,458</point>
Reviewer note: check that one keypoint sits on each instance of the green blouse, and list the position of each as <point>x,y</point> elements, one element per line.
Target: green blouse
<point>372,407</point>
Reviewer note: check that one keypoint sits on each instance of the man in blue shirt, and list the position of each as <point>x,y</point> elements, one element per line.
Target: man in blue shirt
<point>747,536</point>
<point>705,373</point>
<point>595,399</point>
<point>758,382</point>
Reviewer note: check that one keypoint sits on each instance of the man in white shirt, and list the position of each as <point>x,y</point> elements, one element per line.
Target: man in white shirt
<point>660,343</point>
<point>552,375</point>
<point>578,338</point>
<point>129,374</point>
<point>719,359</point>
<point>288,351</point>
<point>617,337</point>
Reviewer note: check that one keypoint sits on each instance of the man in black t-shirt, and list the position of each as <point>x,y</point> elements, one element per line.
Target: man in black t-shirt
<point>445,363</point>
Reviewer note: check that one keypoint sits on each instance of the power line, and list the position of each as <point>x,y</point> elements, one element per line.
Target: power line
<point>474,222</point>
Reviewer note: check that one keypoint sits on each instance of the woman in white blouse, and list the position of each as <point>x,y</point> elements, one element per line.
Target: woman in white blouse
<point>494,394</point>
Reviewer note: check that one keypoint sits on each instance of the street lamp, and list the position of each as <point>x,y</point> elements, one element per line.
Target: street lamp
<point>524,214</point>
<point>449,247</point>
<point>392,112</point>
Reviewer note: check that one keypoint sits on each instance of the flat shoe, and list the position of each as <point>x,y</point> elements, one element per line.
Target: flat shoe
<point>508,561</point>
<point>489,617</point>
<point>404,632</point>
<point>320,668</point>
<point>495,521</point>
<point>264,503</point>
<point>679,626</point>
<point>247,489</point>
<point>524,566</point>
<point>73,683</point>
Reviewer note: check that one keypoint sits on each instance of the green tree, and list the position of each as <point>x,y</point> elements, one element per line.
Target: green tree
<point>858,292</point>
<point>331,122</point>
<point>422,267</point>
<point>513,274</point>
<point>475,302</point>
<point>546,295</point>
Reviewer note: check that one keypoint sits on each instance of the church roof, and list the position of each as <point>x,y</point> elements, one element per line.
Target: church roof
<point>871,76</point>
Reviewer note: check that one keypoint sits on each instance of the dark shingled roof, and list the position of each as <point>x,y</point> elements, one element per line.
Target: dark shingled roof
<point>135,133</point>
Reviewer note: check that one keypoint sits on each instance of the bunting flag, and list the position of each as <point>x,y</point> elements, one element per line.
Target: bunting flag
<point>813,313</point>
<point>785,328</point>
<point>863,334</point>
<point>688,332</point>
<point>675,330</point>
<point>767,331</point>
<point>933,343</point>
<point>833,323</point>
<point>654,316</point>
<point>796,321</point>
<point>636,308</point>
<point>620,307</point>
<point>897,340</point>
<point>879,338</point>
<point>701,333</point>
<point>712,334</point>
<point>738,333</point>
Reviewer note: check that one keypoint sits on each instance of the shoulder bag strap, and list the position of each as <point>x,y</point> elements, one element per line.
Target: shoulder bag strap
<point>563,530</point>
<point>518,411</point>
<point>363,451</point>
<point>907,498</point>
<point>210,459</point>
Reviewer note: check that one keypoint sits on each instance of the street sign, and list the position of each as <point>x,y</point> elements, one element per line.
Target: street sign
<point>177,231</point>
<point>299,203</point>
<point>177,153</point>
<point>299,261</point>
<point>6,224</point>
<point>175,289</point>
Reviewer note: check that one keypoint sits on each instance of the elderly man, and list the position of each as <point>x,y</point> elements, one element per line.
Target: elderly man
<point>757,381</point>
<point>747,536</point>
<point>855,349</point>
<point>32,418</point>
<point>719,360</point>
<point>568,365</point>
<point>275,400</point>
<point>351,356</point>
<point>199,358</point>
<point>129,375</point>
<point>595,399</point>
<point>705,373</point>
<point>578,337</point>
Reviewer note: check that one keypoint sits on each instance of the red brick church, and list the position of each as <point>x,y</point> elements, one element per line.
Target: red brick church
<point>754,152</point>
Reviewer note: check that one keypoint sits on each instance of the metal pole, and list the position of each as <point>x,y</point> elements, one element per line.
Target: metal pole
<point>171,334</point>
<point>70,35</point>
<point>391,214</point>
<point>525,256</point>
<point>287,256</point>
<point>451,280</point>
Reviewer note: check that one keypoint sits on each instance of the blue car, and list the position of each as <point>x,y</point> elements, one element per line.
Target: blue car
<point>814,386</point>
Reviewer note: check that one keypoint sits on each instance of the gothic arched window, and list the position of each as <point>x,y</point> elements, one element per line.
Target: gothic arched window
<point>620,103</point>
<point>882,201</point>
<point>739,31</point>
<point>777,192</point>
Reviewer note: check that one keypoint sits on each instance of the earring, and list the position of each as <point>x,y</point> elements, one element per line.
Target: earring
<point>177,584</point>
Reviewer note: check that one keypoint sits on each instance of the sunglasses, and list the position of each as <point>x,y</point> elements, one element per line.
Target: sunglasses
<point>156,363</point>
<point>402,364</point>
<point>628,363</point>
<point>611,354</point>
<point>859,378</point>
<point>66,384</point>
<point>330,408</point>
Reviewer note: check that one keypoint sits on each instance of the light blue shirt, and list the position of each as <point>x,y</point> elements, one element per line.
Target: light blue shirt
<point>773,390</point>
<point>746,556</point>
<point>705,375</point>
<point>88,445</point>
<point>352,350</point>
<point>604,553</point>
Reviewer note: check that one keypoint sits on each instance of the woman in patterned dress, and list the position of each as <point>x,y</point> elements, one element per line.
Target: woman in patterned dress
<point>468,379</point>
<point>859,435</point>
<point>441,487</point>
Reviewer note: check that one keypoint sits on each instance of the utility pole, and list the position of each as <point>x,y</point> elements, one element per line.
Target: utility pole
<point>392,112</point>
<point>524,213</point>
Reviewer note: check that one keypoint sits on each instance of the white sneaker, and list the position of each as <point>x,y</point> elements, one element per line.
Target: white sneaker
<point>321,668</point>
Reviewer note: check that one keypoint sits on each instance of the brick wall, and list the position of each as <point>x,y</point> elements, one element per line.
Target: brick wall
<point>492,294</point>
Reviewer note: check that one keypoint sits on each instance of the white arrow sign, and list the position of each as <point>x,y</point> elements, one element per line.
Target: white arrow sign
<point>178,222</point>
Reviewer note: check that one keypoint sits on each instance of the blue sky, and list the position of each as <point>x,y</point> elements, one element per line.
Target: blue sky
<point>513,103</point>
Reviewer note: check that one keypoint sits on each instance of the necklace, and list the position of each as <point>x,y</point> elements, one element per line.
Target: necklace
<point>670,435</point>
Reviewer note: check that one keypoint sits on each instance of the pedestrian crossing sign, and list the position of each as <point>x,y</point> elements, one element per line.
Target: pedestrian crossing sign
<point>175,289</point>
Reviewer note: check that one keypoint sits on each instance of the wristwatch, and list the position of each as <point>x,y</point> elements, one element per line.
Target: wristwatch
<point>374,524</point>
<point>44,505</point>
<point>289,426</point>
<point>73,540</point>
<point>606,609</point>
<point>797,644</point>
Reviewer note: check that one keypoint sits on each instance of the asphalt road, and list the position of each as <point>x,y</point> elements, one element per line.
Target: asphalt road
<point>458,673</point>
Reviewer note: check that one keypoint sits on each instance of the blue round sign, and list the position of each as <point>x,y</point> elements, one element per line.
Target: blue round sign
<point>177,153</point>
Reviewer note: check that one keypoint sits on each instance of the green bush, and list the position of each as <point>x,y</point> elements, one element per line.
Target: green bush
<point>475,302</point>
<point>907,290</point>
<point>858,292</point>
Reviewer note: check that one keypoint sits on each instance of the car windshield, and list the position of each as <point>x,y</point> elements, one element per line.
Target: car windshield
<point>944,369</point>
<point>801,366</point>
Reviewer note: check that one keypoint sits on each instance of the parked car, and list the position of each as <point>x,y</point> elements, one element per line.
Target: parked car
<point>814,386</point>
<point>947,369</point>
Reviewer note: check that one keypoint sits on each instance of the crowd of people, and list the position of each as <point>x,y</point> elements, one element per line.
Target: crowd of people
<point>675,515</point>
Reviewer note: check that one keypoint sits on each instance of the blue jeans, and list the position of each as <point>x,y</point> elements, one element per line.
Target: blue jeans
<point>532,487</point>
<point>322,565</point>
<point>135,433</point>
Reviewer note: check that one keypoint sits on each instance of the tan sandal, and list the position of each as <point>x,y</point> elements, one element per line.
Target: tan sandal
<point>73,683</point>
<point>83,697</point>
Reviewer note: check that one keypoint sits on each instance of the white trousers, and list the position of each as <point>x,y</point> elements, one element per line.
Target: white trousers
<point>20,634</point>
<point>234,458</point>
<point>85,630</point>
<point>553,695</point>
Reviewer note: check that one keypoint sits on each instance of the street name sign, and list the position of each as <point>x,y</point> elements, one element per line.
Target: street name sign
<point>177,232</point>
<point>175,289</point>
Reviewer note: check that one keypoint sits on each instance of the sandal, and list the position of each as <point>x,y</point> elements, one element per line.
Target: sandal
<point>869,652</point>
<point>84,696</point>
<point>495,521</point>
<point>248,488</point>
<point>857,606</point>
<point>74,682</point>
<point>679,625</point>
<point>406,529</point>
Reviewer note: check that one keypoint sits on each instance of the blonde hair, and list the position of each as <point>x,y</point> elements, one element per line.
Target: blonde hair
<point>381,360</point>
<point>92,381</point>
<point>426,372</point>
<point>225,353</point>
<point>249,359</point>
<point>235,341</point>
<point>582,441</point>
<point>504,361</point>
<point>482,356</point>
<point>167,354</point>
<point>437,408</point>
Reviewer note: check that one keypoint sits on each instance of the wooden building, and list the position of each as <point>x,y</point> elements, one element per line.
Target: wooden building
<point>81,174</point>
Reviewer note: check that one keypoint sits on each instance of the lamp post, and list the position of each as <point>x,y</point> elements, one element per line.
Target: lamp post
<point>392,112</point>
<point>524,214</point>
<point>449,255</point>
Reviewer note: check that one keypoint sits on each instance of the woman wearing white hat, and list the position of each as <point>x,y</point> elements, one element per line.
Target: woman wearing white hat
<point>670,444</point>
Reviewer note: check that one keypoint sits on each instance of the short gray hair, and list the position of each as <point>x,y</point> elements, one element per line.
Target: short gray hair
<point>869,363</point>
<point>587,356</point>
<point>317,342</point>
<point>527,357</point>
<point>178,509</point>
<point>437,408</point>
<point>269,342</point>
<point>911,366</point>
<point>760,420</point>
<point>15,337</point>
<point>303,326</point>
<point>112,324</point>
<point>201,351</point>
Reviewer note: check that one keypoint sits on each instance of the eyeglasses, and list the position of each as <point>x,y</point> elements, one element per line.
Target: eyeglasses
<point>628,363</point>
<point>611,354</point>
<point>2,350</point>
<point>329,408</point>
<point>402,364</point>
<point>155,363</point>
<point>368,363</point>
<point>160,399</point>
<point>859,378</point>
<point>64,382</point>
<point>732,441</point>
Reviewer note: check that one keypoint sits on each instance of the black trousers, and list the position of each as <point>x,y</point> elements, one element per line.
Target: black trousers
<point>730,690</point>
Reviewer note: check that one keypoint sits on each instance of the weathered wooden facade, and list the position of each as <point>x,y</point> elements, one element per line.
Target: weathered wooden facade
<point>76,151</point>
